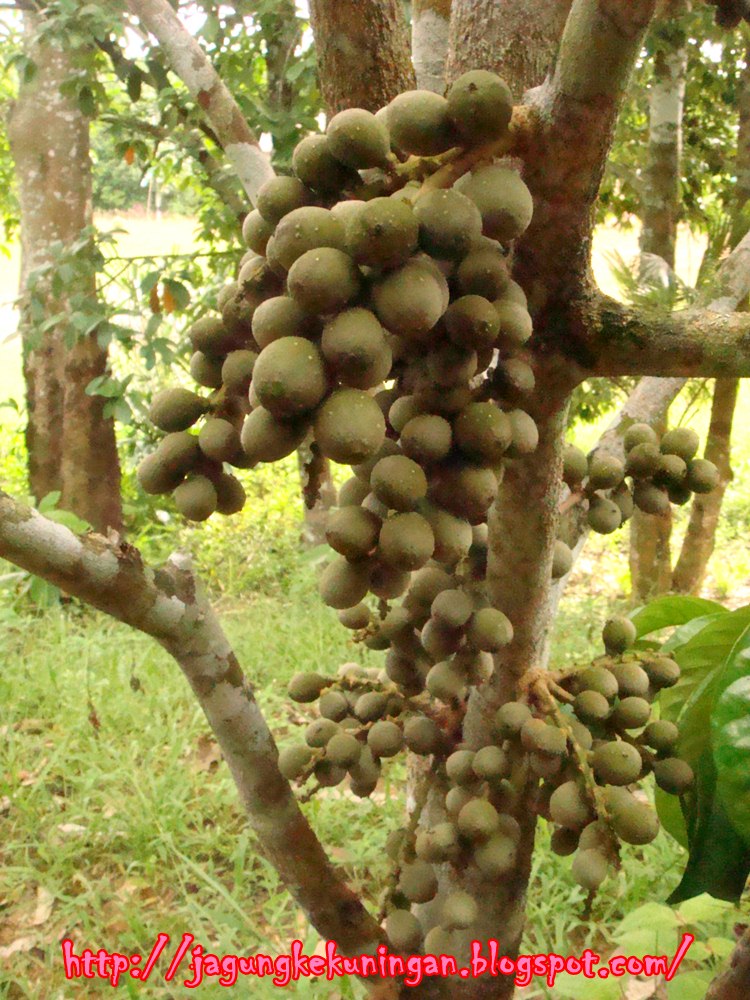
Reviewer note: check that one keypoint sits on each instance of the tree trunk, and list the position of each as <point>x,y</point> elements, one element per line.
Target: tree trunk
<point>363,52</point>
<point>661,193</point>
<point>430,26</point>
<point>71,445</point>
<point>700,539</point>
<point>704,516</point>
<point>734,984</point>
<point>742,168</point>
<point>650,555</point>
<point>650,535</point>
<point>514,38</point>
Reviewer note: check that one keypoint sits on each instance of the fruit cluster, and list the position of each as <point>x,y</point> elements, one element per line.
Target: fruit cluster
<point>583,740</point>
<point>375,315</point>
<point>359,276</point>
<point>662,471</point>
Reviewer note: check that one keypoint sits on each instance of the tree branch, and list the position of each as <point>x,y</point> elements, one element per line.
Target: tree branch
<point>621,340</point>
<point>191,64</point>
<point>168,605</point>
<point>577,111</point>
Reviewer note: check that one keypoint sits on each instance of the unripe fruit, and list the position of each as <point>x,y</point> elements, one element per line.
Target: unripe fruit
<point>673,775</point>
<point>617,763</point>
<point>510,719</point>
<point>569,806</point>
<point>294,760</point>
<point>418,882</point>
<point>590,869</point>
<point>460,911</point>
<point>404,931</point>
<point>618,634</point>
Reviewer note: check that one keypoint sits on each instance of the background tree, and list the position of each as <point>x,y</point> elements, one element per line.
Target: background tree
<point>71,444</point>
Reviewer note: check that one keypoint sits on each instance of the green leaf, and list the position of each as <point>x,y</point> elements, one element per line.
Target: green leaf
<point>700,652</point>
<point>153,324</point>
<point>721,947</point>
<point>672,610</point>
<point>689,986</point>
<point>49,502</point>
<point>712,659</point>
<point>671,817</point>
<point>69,520</point>
<point>719,860</point>
<point>149,281</point>
<point>704,909</point>
<point>731,739</point>
<point>87,102</point>
<point>659,918</point>
<point>580,988</point>
<point>135,80</point>
<point>179,292</point>
<point>45,594</point>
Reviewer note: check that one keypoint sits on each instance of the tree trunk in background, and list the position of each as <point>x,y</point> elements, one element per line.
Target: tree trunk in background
<point>430,26</point>
<point>661,193</point>
<point>650,555</point>
<point>700,539</point>
<point>650,535</point>
<point>742,166</point>
<point>650,552</point>
<point>71,445</point>
<point>363,52</point>
<point>704,517</point>
<point>516,40</point>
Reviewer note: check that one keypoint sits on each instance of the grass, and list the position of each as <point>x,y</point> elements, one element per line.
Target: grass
<point>116,810</point>
<point>120,821</point>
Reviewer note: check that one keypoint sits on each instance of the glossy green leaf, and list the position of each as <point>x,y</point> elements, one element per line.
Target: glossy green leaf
<point>719,860</point>
<point>731,740</point>
<point>711,658</point>
<point>671,817</point>
<point>701,647</point>
<point>672,610</point>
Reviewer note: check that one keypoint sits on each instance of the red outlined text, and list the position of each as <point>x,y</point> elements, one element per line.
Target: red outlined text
<point>191,965</point>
